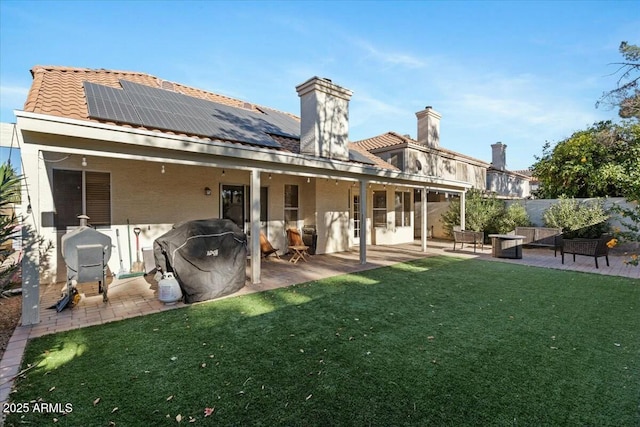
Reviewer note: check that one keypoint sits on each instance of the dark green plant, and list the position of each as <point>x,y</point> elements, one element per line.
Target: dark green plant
<point>10,187</point>
<point>578,219</point>
<point>484,213</point>
<point>514,216</point>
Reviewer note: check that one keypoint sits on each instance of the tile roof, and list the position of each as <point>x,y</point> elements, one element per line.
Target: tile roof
<point>59,91</point>
<point>392,139</point>
<point>377,161</point>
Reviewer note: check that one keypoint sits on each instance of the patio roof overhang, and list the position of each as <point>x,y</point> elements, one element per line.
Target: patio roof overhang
<point>59,134</point>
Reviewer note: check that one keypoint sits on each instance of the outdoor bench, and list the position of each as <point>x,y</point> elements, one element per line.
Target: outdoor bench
<point>588,247</point>
<point>470,237</point>
<point>539,236</point>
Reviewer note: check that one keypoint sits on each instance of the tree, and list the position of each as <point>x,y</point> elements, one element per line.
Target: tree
<point>626,96</point>
<point>601,161</point>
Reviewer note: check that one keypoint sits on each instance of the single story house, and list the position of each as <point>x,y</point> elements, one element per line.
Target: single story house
<point>132,150</point>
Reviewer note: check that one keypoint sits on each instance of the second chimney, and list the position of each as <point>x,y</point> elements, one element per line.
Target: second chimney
<point>499,156</point>
<point>429,127</point>
<point>324,119</point>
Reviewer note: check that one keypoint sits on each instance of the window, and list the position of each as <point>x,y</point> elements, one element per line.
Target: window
<point>291,206</point>
<point>397,160</point>
<point>402,208</point>
<point>379,208</point>
<point>80,192</point>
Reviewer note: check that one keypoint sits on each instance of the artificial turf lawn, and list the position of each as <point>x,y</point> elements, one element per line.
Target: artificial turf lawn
<point>438,341</point>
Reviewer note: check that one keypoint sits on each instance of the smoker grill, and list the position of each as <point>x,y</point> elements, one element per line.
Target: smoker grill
<point>86,253</point>
<point>310,238</point>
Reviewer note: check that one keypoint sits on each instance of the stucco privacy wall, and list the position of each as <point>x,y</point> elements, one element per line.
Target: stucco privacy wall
<point>536,207</point>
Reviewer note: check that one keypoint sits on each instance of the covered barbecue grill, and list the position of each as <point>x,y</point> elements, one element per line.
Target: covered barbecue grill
<point>86,253</point>
<point>207,257</point>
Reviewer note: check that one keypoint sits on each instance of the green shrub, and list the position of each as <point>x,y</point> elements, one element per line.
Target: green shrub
<point>578,218</point>
<point>485,213</point>
<point>514,216</point>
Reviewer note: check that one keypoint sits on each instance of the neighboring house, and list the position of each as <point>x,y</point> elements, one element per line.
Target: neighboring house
<point>132,150</point>
<point>424,156</point>
<point>504,183</point>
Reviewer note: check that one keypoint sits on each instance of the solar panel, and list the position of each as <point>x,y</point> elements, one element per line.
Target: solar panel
<point>162,109</point>
<point>356,156</point>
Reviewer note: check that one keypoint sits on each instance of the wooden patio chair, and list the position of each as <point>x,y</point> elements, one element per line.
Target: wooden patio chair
<point>296,245</point>
<point>266,248</point>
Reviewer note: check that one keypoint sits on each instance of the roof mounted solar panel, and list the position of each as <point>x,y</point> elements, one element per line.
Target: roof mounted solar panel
<point>356,156</point>
<point>111,104</point>
<point>157,108</point>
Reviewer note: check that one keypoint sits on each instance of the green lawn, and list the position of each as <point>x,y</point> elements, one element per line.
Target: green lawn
<point>439,341</point>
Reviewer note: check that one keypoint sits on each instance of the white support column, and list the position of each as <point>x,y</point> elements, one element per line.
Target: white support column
<point>462,209</point>
<point>424,225</point>
<point>255,226</point>
<point>364,229</point>
<point>30,243</point>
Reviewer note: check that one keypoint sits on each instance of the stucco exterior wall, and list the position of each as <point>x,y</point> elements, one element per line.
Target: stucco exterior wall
<point>431,164</point>
<point>332,211</point>
<point>508,185</point>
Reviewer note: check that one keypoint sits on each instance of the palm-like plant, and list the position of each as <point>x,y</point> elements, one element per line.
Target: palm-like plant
<point>10,189</point>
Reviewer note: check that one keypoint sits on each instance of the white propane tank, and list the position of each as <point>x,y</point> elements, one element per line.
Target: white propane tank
<point>169,289</point>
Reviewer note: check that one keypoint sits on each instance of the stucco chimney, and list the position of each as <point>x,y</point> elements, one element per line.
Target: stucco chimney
<point>324,119</point>
<point>429,127</point>
<point>499,156</point>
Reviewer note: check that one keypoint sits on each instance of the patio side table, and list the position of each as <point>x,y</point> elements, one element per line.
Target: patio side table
<point>506,245</point>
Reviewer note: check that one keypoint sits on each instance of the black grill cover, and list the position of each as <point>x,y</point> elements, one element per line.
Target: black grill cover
<point>207,257</point>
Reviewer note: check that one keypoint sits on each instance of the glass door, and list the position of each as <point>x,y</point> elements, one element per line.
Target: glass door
<point>356,219</point>
<point>233,205</point>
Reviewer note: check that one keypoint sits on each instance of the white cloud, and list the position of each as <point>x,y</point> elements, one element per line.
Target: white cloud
<point>391,58</point>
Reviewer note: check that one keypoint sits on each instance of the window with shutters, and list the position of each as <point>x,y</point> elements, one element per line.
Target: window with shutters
<point>81,192</point>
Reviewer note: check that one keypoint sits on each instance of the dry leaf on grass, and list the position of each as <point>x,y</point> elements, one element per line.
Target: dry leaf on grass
<point>209,411</point>
<point>169,398</point>
<point>95,402</point>
<point>178,418</point>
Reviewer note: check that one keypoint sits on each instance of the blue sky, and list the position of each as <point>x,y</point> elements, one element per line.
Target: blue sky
<point>519,72</point>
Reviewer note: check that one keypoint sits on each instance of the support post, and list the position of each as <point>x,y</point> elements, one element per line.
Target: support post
<point>424,223</point>
<point>364,229</point>
<point>30,237</point>
<point>254,192</point>
<point>463,202</point>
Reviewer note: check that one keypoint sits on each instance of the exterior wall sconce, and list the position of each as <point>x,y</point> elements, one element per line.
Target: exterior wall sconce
<point>162,170</point>
<point>269,176</point>
<point>84,162</point>
<point>308,180</point>
<point>207,191</point>
<point>223,172</point>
